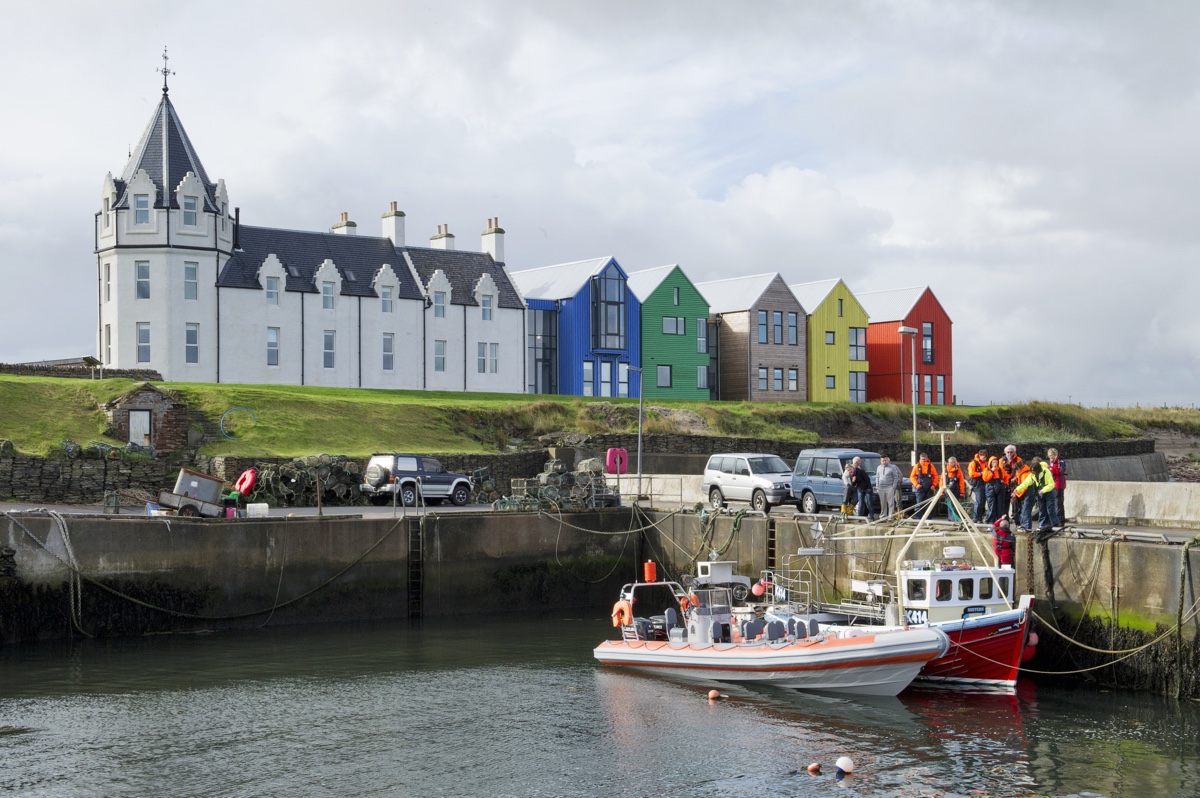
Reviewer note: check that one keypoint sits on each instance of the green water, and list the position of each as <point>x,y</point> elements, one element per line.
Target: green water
<point>501,707</point>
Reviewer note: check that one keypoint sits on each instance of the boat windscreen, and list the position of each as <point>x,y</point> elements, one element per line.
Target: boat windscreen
<point>714,601</point>
<point>653,599</point>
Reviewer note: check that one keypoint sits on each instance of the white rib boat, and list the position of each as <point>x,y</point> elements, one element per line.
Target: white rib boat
<point>701,640</point>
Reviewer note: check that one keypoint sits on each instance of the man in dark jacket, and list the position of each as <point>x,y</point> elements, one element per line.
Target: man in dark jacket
<point>866,494</point>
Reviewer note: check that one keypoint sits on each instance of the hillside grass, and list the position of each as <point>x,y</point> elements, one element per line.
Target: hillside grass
<point>38,413</point>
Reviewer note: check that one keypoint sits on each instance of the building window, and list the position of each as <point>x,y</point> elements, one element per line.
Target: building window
<point>762,326</point>
<point>604,385</point>
<point>224,213</point>
<point>830,336</point>
<point>385,299</point>
<point>493,358</point>
<point>481,358</point>
<point>107,282</point>
<point>777,325</point>
<point>272,290</point>
<point>327,296</point>
<point>543,351</point>
<point>191,343</point>
<point>858,386</point>
<point>439,355</point>
<point>486,305</point>
<point>928,389</point>
<point>143,342</point>
<point>272,346</point>
<point>674,325</point>
<point>623,379</point>
<point>328,350</point>
<point>793,380</point>
<point>941,389</point>
<point>839,307</point>
<point>762,379</point>
<point>142,267</point>
<point>702,336</point>
<point>830,382</point>
<point>389,342</point>
<point>927,342</point>
<point>141,209</point>
<point>858,343</point>
<point>189,211</point>
<point>191,280</point>
<point>793,338</point>
<point>108,344</point>
<point>664,377</point>
<point>608,310</point>
<point>589,378</point>
<point>439,304</point>
<point>701,376</point>
<point>777,379</point>
<point>675,295</point>
<point>106,212</point>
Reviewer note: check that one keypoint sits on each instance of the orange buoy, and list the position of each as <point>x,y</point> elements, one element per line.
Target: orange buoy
<point>815,768</point>
<point>713,695</point>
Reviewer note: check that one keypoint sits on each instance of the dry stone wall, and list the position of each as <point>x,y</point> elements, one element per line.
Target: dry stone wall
<point>79,372</point>
<point>44,480</point>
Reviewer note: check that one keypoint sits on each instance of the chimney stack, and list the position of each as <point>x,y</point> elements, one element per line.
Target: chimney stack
<point>493,239</point>
<point>345,227</point>
<point>444,239</point>
<point>393,226</point>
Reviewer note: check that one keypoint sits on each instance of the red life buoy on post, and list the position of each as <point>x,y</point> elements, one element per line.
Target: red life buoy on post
<point>245,483</point>
<point>617,461</point>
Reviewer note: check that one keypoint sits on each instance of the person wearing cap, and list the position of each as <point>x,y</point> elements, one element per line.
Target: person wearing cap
<point>887,484</point>
<point>924,478</point>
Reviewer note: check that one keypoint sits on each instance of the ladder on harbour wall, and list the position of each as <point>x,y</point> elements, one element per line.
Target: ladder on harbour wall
<point>771,555</point>
<point>416,567</point>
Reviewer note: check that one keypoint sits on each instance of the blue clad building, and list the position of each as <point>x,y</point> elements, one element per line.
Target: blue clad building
<point>583,329</point>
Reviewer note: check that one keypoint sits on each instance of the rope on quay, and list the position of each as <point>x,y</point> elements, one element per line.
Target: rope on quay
<point>78,574</point>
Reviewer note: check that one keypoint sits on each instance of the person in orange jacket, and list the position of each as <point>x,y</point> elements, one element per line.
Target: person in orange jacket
<point>955,484</point>
<point>996,489</point>
<point>975,470</point>
<point>1018,496</point>
<point>1012,465</point>
<point>924,478</point>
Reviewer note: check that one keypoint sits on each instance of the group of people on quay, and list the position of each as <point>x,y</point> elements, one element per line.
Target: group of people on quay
<point>1004,488</point>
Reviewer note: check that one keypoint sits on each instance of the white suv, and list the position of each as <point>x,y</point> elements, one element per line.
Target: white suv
<point>763,480</point>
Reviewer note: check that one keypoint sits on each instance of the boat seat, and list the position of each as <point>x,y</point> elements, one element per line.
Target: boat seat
<point>799,629</point>
<point>752,629</point>
<point>671,618</point>
<point>776,630</point>
<point>814,628</point>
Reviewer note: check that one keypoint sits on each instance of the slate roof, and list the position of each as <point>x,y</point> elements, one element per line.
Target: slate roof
<point>560,281</point>
<point>811,295</point>
<point>734,294</point>
<point>893,305</point>
<point>464,270</point>
<point>645,282</point>
<point>166,153</point>
<point>357,258</point>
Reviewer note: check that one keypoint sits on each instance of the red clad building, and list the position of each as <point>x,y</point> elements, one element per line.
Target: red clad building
<point>890,353</point>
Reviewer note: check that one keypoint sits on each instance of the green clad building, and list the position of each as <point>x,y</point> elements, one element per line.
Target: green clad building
<point>675,359</point>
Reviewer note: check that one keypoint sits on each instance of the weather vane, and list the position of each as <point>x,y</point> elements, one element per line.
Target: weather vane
<point>164,70</point>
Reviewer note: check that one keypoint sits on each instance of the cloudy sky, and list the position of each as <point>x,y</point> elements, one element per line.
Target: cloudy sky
<point>1035,163</point>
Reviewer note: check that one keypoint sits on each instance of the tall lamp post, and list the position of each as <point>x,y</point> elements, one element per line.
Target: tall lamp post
<point>640,394</point>
<point>911,332</point>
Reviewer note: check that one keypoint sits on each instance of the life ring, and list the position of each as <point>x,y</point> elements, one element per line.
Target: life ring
<point>622,614</point>
<point>684,603</point>
<point>245,483</point>
<point>693,599</point>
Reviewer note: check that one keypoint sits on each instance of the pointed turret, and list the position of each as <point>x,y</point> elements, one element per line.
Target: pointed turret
<point>166,155</point>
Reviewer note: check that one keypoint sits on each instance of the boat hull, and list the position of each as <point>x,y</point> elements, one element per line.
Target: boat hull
<point>983,650</point>
<point>877,664</point>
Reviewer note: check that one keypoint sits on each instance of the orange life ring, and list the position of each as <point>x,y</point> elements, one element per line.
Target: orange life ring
<point>692,598</point>
<point>622,614</point>
<point>684,603</point>
<point>245,483</point>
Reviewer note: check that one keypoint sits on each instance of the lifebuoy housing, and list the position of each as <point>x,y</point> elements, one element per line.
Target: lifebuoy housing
<point>245,483</point>
<point>617,461</point>
<point>622,614</point>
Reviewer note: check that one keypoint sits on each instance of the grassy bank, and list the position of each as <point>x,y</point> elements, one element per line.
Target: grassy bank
<point>37,414</point>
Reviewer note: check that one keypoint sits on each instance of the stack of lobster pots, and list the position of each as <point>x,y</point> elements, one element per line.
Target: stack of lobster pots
<point>295,483</point>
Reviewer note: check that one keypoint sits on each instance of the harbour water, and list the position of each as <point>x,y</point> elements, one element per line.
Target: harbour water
<point>517,707</point>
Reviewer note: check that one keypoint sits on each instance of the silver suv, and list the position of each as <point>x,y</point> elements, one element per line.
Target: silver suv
<point>410,477</point>
<point>763,480</point>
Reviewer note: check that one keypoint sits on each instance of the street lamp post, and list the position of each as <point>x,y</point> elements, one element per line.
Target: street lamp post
<point>641,392</point>
<point>911,332</point>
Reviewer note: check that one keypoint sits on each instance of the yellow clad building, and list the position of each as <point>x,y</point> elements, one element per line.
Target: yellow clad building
<point>837,341</point>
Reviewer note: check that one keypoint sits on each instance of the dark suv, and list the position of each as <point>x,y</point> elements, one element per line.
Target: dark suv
<point>408,477</point>
<point>817,478</point>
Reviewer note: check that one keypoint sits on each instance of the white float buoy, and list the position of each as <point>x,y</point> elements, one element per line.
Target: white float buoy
<point>845,764</point>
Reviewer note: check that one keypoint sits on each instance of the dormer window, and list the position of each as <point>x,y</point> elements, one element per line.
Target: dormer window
<point>385,296</point>
<point>141,209</point>
<point>272,290</point>
<point>439,304</point>
<point>189,211</point>
<point>224,213</point>
<point>106,212</point>
<point>327,296</point>
<point>485,302</point>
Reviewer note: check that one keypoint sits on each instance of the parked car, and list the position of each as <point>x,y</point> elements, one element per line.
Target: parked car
<point>405,478</point>
<point>763,480</point>
<point>817,478</point>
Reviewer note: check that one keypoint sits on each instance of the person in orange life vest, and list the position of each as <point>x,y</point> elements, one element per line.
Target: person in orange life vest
<point>924,478</point>
<point>1004,544</point>
<point>1011,464</point>
<point>954,484</point>
<point>1058,467</point>
<point>1031,481</point>
<point>978,486</point>
<point>997,491</point>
